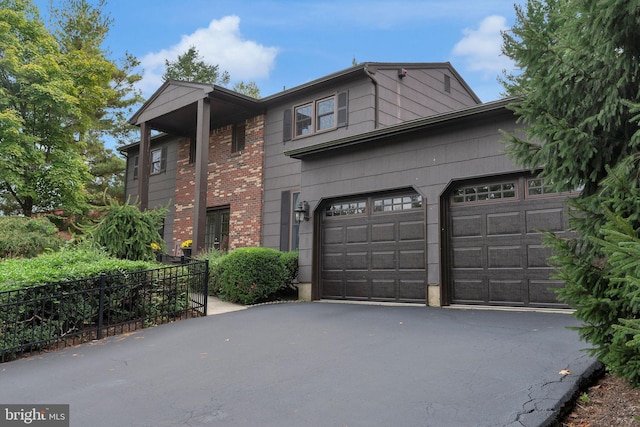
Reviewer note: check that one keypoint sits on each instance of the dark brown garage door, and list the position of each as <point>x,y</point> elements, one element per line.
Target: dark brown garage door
<point>373,248</point>
<point>496,256</point>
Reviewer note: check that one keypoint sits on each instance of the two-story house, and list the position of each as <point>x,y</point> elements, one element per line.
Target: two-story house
<point>391,179</point>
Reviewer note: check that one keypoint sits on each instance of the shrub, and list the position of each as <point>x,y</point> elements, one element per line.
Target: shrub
<point>127,233</point>
<point>27,237</point>
<point>290,262</point>
<point>67,264</point>
<point>214,257</point>
<point>55,295</point>
<point>251,275</point>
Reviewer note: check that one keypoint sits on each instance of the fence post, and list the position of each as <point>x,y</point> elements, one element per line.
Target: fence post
<point>103,281</point>
<point>206,285</point>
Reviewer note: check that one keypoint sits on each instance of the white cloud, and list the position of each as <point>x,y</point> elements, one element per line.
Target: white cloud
<point>219,44</point>
<point>481,47</point>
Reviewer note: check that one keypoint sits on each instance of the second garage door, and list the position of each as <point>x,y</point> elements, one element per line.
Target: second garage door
<point>496,255</point>
<point>373,248</point>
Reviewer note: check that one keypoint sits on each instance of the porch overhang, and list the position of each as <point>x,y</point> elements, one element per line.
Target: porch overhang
<point>173,107</point>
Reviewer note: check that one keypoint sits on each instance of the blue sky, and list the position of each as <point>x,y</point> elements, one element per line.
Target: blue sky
<point>285,43</point>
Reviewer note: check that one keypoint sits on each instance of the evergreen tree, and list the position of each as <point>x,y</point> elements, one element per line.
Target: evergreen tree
<point>191,67</point>
<point>580,66</point>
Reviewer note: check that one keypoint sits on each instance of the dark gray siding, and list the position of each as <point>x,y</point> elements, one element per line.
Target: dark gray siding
<point>282,173</point>
<point>175,96</point>
<point>421,93</point>
<point>426,163</point>
<point>162,186</point>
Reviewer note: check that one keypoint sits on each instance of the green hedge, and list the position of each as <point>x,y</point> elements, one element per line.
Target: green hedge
<point>214,257</point>
<point>68,264</point>
<point>27,237</point>
<point>44,305</point>
<point>252,275</point>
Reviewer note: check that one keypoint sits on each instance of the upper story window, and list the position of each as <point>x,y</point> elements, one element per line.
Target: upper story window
<point>156,161</point>
<point>304,115</point>
<point>317,116</point>
<point>238,137</point>
<point>325,113</point>
<point>192,150</point>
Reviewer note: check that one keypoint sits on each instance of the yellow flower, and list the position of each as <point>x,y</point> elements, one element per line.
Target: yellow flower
<point>155,246</point>
<point>186,244</point>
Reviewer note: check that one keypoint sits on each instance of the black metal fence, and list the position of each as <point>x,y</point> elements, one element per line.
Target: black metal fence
<point>61,314</point>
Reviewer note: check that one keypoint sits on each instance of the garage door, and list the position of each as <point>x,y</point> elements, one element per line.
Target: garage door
<point>496,256</point>
<point>373,248</point>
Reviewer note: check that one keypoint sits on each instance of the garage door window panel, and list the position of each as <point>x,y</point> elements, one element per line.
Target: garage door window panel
<point>398,203</point>
<point>485,193</point>
<point>346,209</point>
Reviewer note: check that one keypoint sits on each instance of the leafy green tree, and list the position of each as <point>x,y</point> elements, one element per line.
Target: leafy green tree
<point>60,96</point>
<point>40,163</point>
<point>580,64</point>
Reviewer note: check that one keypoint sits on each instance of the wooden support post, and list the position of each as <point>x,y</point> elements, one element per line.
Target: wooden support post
<point>144,166</point>
<point>202,169</point>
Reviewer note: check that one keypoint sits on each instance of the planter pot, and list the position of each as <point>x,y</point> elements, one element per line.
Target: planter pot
<point>186,252</point>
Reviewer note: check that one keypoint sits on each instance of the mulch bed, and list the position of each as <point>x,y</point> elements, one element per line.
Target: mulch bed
<point>609,402</point>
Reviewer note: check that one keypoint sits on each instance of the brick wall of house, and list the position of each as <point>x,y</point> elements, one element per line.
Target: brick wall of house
<point>234,180</point>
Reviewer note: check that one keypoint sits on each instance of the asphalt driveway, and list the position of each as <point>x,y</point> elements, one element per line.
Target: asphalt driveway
<point>316,364</point>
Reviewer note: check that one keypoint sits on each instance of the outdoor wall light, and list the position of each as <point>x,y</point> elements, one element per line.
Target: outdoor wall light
<point>302,211</point>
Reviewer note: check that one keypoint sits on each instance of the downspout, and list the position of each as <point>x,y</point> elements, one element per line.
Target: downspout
<point>376,95</point>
